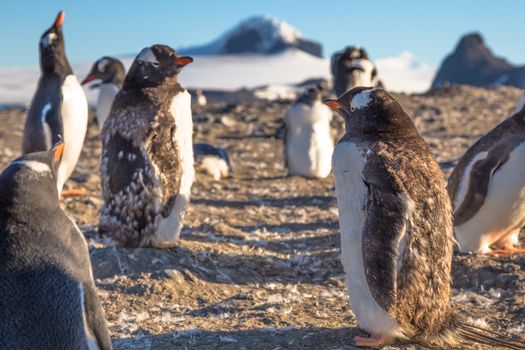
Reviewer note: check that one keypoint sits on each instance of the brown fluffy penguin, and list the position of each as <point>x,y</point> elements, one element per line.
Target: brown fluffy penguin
<point>147,153</point>
<point>396,228</point>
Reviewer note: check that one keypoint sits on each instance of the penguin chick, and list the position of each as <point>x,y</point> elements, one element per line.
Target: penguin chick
<point>108,74</point>
<point>212,160</point>
<point>308,141</point>
<point>147,153</point>
<point>487,189</point>
<point>48,298</point>
<point>396,227</point>
<point>350,68</point>
<point>59,110</point>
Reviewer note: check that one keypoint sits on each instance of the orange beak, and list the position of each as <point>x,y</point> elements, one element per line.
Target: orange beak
<point>182,61</point>
<point>60,19</point>
<point>87,80</point>
<point>333,104</point>
<point>58,150</point>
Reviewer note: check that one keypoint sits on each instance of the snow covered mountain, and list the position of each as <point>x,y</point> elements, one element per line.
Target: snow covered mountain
<point>278,72</point>
<point>257,35</point>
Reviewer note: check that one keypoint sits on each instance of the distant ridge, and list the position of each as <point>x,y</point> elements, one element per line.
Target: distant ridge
<point>258,35</point>
<point>473,63</point>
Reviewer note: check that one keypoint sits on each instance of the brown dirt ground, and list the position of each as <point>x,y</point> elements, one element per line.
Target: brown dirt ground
<point>258,266</point>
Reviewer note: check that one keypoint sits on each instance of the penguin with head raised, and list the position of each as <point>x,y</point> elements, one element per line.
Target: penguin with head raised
<point>350,68</point>
<point>48,298</point>
<point>487,189</point>
<point>108,73</point>
<point>308,140</point>
<point>147,153</point>
<point>396,226</point>
<point>212,160</point>
<point>59,109</point>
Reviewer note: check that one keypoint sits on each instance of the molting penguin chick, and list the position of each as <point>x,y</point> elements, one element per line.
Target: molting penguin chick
<point>396,226</point>
<point>110,73</point>
<point>308,141</point>
<point>59,109</point>
<point>147,153</point>
<point>487,188</point>
<point>351,67</point>
<point>212,160</point>
<point>48,298</point>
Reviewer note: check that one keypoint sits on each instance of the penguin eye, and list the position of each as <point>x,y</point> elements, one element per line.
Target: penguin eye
<point>352,109</point>
<point>155,64</point>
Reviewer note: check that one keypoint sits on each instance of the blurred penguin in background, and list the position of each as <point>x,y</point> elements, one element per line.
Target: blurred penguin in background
<point>308,138</point>
<point>211,160</point>
<point>350,68</point>
<point>108,74</point>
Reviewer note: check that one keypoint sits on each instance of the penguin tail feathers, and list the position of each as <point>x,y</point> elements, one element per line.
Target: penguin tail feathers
<point>484,336</point>
<point>455,332</point>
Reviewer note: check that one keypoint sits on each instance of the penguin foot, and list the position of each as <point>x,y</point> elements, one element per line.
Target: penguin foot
<point>374,341</point>
<point>506,251</point>
<point>72,193</point>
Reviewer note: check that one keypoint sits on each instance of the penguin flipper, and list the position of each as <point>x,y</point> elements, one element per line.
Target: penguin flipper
<point>95,317</point>
<point>480,177</point>
<point>383,230</point>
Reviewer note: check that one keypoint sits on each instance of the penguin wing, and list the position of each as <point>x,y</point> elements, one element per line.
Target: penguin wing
<point>94,318</point>
<point>480,177</point>
<point>164,153</point>
<point>382,233</point>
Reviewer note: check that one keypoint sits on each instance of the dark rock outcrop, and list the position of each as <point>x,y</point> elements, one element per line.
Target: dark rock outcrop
<point>473,63</point>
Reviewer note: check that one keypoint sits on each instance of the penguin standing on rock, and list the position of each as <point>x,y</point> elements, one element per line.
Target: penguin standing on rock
<point>59,109</point>
<point>351,67</point>
<point>396,227</point>
<point>308,140</point>
<point>147,153</point>
<point>48,298</point>
<point>487,188</point>
<point>110,73</point>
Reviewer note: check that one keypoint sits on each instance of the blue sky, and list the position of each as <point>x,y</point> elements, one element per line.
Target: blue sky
<point>385,28</point>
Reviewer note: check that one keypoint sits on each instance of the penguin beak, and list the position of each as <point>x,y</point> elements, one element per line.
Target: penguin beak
<point>87,80</point>
<point>182,61</point>
<point>59,20</point>
<point>333,104</point>
<point>57,150</point>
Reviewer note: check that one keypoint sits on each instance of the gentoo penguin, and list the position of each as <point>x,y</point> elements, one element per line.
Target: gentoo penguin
<point>308,141</point>
<point>396,226</point>
<point>147,153</point>
<point>487,189</point>
<point>200,98</point>
<point>351,67</point>
<point>59,109</point>
<point>48,298</point>
<point>110,73</point>
<point>212,160</point>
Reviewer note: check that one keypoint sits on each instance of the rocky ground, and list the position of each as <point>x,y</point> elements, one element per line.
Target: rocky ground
<point>258,266</point>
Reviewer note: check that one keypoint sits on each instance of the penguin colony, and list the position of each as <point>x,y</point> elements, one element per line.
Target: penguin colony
<point>396,217</point>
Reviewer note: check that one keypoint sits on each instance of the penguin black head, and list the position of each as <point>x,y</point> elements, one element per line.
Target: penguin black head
<point>311,94</point>
<point>155,66</point>
<point>32,177</point>
<point>52,50</point>
<point>355,53</point>
<point>369,110</point>
<point>107,70</point>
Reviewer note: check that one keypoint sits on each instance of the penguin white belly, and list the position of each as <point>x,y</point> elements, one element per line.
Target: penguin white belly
<point>214,166</point>
<point>74,120</point>
<point>106,96</point>
<point>309,146</point>
<point>503,210</point>
<point>169,228</point>
<point>351,192</point>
